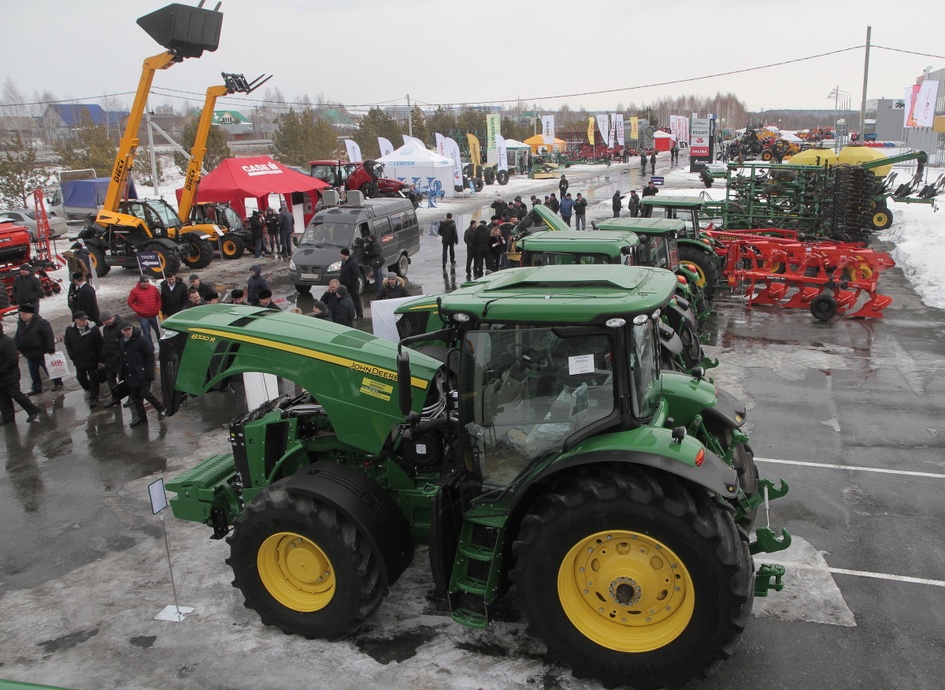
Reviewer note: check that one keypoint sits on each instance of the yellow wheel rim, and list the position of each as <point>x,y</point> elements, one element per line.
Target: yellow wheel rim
<point>880,219</point>
<point>700,281</point>
<point>626,591</point>
<point>296,572</point>
<point>229,248</point>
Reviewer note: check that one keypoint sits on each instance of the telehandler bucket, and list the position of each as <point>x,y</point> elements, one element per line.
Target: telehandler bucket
<point>185,31</point>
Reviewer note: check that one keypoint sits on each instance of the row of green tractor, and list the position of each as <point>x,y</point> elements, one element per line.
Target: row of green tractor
<point>527,437</point>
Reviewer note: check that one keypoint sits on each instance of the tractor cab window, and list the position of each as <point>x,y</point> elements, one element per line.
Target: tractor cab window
<point>643,354</point>
<point>658,252</point>
<point>326,173</point>
<point>164,213</point>
<point>566,259</point>
<point>524,391</point>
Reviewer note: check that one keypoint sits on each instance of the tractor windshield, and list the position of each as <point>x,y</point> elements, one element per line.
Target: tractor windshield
<point>330,234</point>
<point>524,391</point>
<point>661,251</point>
<point>644,369</point>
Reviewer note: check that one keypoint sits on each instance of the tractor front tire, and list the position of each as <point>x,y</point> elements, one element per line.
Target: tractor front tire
<point>168,260</point>
<point>97,257</point>
<point>196,251</point>
<point>488,175</point>
<point>231,246</point>
<point>705,267</point>
<point>633,577</point>
<point>303,565</point>
<point>502,177</point>
<point>744,461</point>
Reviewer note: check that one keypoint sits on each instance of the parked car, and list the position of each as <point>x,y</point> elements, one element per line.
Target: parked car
<point>27,218</point>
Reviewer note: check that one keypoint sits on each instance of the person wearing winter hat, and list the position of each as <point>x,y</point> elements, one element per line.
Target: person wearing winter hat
<point>202,288</point>
<point>136,369</point>
<point>344,312</point>
<point>320,311</point>
<point>27,288</point>
<point>111,336</point>
<point>265,300</point>
<point>84,346</point>
<point>255,284</point>
<point>350,277</point>
<point>393,287</point>
<point>34,339</point>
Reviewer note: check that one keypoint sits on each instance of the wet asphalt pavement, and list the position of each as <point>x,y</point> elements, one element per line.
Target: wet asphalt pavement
<point>851,413</point>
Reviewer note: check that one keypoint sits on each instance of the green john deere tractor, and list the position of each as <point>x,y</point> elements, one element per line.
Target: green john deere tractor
<point>531,441</point>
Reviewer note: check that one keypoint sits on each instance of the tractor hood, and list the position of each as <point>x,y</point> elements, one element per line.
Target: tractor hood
<point>352,374</point>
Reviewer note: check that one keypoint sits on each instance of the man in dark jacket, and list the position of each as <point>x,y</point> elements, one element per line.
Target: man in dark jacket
<point>111,337</point>
<point>563,185</point>
<point>286,228</point>
<point>254,284</point>
<point>580,212</point>
<point>350,277</point>
<point>553,203</point>
<point>256,232</point>
<point>470,249</point>
<point>10,382</point>
<point>82,298</point>
<point>375,258</point>
<point>633,204</point>
<point>34,339</point>
<point>344,312</point>
<point>27,289</point>
<point>393,287</point>
<point>653,163</point>
<point>204,289</point>
<point>449,237</point>
<point>567,208</point>
<point>649,190</point>
<point>330,296</point>
<point>265,300</point>
<point>84,347</point>
<point>617,203</point>
<point>643,163</point>
<point>480,245</point>
<point>173,296</point>
<point>136,369</point>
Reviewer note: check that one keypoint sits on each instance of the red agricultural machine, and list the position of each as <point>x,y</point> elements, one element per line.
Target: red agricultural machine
<point>777,268</point>
<point>16,249</point>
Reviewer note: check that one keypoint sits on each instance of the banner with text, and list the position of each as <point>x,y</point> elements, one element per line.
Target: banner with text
<point>548,129</point>
<point>385,146</point>
<point>603,126</point>
<point>493,130</point>
<point>503,153</point>
<point>635,129</point>
<point>475,153</point>
<point>925,103</point>
<point>618,126</point>
<point>453,153</point>
<point>590,130</point>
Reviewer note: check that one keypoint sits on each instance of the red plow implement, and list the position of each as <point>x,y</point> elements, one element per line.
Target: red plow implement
<point>828,278</point>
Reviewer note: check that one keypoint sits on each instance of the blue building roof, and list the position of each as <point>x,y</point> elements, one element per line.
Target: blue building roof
<point>71,114</point>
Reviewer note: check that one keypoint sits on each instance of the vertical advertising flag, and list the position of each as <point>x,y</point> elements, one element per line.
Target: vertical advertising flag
<point>912,95</point>
<point>684,128</point>
<point>548,129</point>
<point>453,152</point>
<point>635,128</point>
<point>475,154</point>
<point>590,130</point>
<point>925,103</point>
<point>493,130</point>
<point>354,151</point>
<point>621,138</point>
<point>612,138</point>
<point>441,145</point>
<point>674,127</point>
<point>385,146</point>
<point>603,124</point>
<point>503,153</point>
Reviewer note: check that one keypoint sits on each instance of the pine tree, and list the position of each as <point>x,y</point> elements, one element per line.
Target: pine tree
<point>20,174</point>
<point>302,136</point>
<point>217,148</point>
<point>376,124</point>
<point>89,147</point>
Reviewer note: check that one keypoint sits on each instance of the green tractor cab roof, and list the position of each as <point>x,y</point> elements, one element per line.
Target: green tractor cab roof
<point>610,244</point>
<point>673,201</point>
<point>641,226</point>
<point>580,294</point>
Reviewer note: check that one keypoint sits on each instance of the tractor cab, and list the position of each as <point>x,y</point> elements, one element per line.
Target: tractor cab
<point>569,247</point>
<point>158,217</point>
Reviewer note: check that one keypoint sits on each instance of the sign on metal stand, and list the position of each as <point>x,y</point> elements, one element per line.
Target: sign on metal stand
<point>149,261</point>
<point>158,497</point>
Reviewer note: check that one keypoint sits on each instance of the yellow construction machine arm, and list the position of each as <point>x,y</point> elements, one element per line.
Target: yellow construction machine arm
<point>233,83</point>
<point>121,172</point>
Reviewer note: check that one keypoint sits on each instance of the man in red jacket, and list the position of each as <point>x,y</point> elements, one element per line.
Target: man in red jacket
<point>145,301</point>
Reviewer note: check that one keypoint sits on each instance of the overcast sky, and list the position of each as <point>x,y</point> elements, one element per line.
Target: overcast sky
<point>365,52</point>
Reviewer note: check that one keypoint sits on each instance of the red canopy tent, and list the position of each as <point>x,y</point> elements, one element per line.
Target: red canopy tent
<point>235,179</point>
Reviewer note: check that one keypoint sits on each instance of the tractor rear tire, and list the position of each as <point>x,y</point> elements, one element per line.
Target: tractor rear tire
<point>304,566</point>
<point>692,349</point>
<point>195,251</point>
<point>97,257</point>
<point>168,259</point>
<point>231,246</point>
<point>630,576</point>
<point>705,267</point>
<point>488,175</point>
<point>477,184</point>
<point>823,307</point>
<point>502,177</point>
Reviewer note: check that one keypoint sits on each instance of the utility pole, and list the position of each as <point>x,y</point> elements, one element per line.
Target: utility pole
<point>409,118</point>
<point>866,75</point>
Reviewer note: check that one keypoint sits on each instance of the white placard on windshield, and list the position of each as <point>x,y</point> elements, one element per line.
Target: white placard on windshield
<point>581,364</point>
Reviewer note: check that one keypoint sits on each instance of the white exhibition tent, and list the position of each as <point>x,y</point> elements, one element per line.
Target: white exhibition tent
<point>411,161</point>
